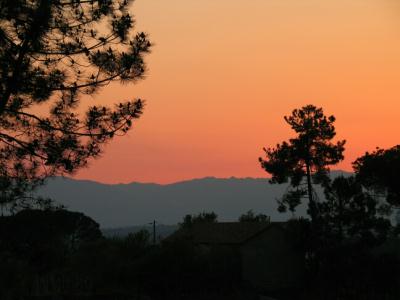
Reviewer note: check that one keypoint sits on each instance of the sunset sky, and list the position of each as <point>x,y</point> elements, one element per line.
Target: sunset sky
<point>223,73</point>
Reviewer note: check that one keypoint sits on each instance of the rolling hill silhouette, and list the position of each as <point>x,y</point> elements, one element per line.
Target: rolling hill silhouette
<point>122,205</point>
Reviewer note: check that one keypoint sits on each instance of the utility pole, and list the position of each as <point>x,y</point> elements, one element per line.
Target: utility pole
<point>154,231</point>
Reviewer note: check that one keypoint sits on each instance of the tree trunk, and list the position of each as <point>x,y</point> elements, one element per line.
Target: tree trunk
<point>340,218</point>
<point>311,204</point>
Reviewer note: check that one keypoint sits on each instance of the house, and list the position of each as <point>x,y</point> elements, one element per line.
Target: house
<point>268,256</point>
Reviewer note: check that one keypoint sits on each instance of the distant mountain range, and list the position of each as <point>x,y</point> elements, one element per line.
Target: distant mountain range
<point>123,205</point>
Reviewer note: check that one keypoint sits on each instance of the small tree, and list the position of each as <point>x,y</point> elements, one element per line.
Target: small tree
<point>350,213</point>
<point>379,171</point>
<point>251,217</point>
<point>52,53</point>
<point>204,217</point>
<point>307,156</point>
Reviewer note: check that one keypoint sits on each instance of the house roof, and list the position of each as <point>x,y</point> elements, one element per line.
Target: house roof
<point>222,233</point>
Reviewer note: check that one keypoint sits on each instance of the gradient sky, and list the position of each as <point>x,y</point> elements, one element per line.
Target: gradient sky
<point>223,73</point>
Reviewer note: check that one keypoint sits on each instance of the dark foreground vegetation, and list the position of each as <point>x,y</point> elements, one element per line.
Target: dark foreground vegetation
<point>62,255</point>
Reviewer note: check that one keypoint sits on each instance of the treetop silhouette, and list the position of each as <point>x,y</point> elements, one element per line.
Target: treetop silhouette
<point>250,216</point>
<point>203,217</point>
<point>51,53</point>
<point>379,171</point>
<point>349,211</point>
<point>307,156</point>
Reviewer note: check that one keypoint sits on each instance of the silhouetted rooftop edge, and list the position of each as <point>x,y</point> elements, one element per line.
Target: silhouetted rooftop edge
<point>222,232</point>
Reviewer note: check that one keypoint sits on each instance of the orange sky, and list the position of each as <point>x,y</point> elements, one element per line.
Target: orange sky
<point>223,74</point>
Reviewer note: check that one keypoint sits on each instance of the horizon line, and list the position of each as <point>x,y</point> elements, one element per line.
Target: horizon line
<point>172,182</point>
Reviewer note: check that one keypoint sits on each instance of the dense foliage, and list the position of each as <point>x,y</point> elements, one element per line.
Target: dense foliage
<point>63,254</point>
<point>52,54</point>
<point>204,217</point>
<point>250,216</point>
<point>350,239</point>
<point>352,215</point>
<point>307,156</point>
<point>379,171</point>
